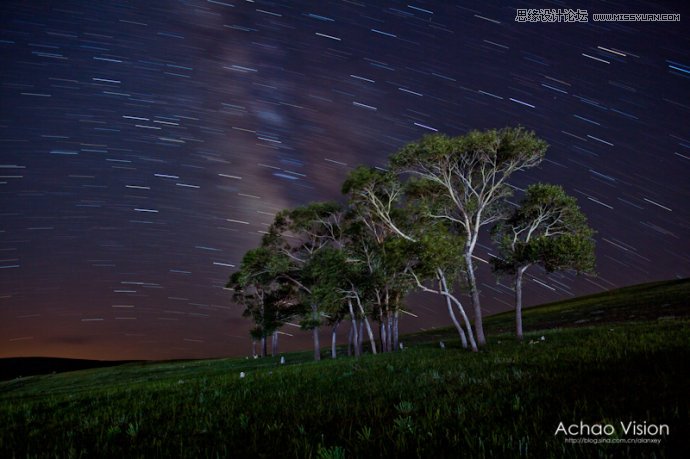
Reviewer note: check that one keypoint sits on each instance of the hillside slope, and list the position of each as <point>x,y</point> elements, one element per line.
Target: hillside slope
<point>506,401</point>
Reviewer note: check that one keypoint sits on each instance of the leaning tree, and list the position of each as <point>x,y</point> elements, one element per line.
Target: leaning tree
<point>472,171</point>
<point>427,248</point>
<point>256,287</point>
<point>298,235</point>
<point>378,237</point>
<point>331,274</point>
<point>438,259</point>
<point>548,229</point>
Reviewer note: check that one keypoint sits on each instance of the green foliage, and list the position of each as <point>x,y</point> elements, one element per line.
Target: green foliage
<point>378,238</point>
<point>309,323</point>
<point>333,274</point>
<point>467,175</point>
<point>336,452</point>
<point>363,176</point>
<point>268,302</point>
<point>570,251</point>
<point>308,218</point>
<point>440,248</point>
<point>547,228</point>
<point>276,281</point>
<point>496,146</point>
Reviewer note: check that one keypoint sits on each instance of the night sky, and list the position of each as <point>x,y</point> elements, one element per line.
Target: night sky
<point>145,146</point>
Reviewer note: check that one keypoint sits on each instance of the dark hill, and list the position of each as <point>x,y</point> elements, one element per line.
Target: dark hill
<point>15,367</point>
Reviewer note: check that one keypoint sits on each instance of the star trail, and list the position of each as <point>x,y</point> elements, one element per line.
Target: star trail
<point>145,146</point>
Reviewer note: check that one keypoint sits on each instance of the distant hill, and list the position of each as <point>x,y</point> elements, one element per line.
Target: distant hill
<point>636,303</point>
<point>15,367</point>
<point>642,302</point>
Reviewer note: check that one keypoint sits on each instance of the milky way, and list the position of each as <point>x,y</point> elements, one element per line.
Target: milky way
<point>146,146</point>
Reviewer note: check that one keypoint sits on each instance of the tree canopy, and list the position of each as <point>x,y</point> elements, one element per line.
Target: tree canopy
<point>547,228</point>
<point>412,226</point>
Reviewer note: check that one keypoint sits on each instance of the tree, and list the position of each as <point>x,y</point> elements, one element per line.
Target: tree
<point>361,279</point>
<point>390,284</point>
<point>422,247</point>
<point>378,238</point>
<point>329,268</point>
<point>281,304</point>
<point>265,300</point>
<point>470,172</point>
<point>438,258</point>
<point>299,235</point>
<point>548,229</point>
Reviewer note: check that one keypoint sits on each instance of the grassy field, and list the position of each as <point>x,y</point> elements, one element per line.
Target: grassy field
<point>617,357</point>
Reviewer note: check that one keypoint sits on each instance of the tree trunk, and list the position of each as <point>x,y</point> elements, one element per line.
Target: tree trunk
<point>382,334</point>
<point>334,353</point>
<point>360,336</point>
<point>458,327</point>
<point>396,319</point>
<point>253,348</point>
<point>274,344</point>
<point>317,346</point>
<point>353,330</point>
<point>263,346</point>
<point>349,340</point>
<point>518,302</point>
<point>472,281</point>
<point>372,340</point>
<point>315,333</point>
<point>389,332</point>
<point>444,284</point>
<point>449,304</point>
